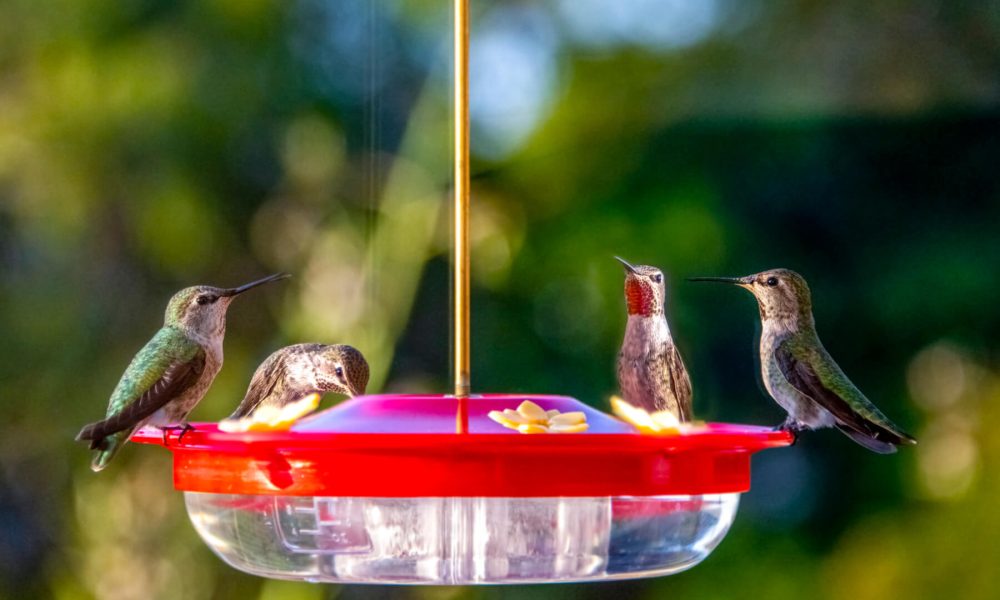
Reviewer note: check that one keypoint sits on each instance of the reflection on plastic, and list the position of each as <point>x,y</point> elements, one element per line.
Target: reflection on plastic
<point>461,540</point>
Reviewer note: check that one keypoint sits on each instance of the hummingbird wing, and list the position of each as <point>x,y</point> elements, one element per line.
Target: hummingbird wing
<point>263,385</point>
<point>681,383</point>
<point>813,372</point>
<point>278,380</point>
<point>656,383</point>
<point>167,366</point>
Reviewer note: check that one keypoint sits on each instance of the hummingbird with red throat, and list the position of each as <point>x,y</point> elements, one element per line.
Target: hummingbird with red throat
<point>651,374</point>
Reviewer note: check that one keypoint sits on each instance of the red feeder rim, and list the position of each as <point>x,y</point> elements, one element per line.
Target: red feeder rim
<point>433,445</point>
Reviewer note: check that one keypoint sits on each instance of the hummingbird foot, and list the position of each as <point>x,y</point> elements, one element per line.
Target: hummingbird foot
<point>791,426</point>
<point>184,428</point>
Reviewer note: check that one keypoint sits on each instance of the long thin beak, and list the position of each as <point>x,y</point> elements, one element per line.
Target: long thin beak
<point>744,282</point>
<point>628,267</point>
<point>239,290</point>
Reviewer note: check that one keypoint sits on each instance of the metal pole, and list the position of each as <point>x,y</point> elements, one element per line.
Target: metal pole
<point>461,209</point>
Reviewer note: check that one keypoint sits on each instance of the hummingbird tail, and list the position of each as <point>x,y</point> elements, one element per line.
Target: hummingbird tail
<point>106,450</point>
<point>866,440</point>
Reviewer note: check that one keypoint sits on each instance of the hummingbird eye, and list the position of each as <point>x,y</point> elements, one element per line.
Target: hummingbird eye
<point>339,371</point>
<point>657,277</point>
<point>206,299</point>
<point>772,281</point>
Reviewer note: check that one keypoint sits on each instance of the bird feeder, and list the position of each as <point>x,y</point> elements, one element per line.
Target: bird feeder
<point>429,489</point>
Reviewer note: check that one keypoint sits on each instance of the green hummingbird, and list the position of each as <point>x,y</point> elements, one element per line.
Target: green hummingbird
<point>171,373</point>
<point>800,374</point>
<point>293,372</point>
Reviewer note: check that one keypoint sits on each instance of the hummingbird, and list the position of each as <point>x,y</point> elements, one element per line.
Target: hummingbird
<point>651,374</point>
<point>800,374</point>
<point>171,373</point>
<point>294,372</point>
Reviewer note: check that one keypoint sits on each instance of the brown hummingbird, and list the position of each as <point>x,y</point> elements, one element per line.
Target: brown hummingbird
<point>171,373</point>
<point>800,374</point>
<point>651,374</point>
<point>293,372</point>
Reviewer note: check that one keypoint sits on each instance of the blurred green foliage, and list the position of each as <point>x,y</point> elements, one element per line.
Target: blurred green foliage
<point>146,145</point>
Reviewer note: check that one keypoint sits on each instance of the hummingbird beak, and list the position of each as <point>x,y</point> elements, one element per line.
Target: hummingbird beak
<point>628,267</point>
<point>743,282</point>
<point>239,290</point>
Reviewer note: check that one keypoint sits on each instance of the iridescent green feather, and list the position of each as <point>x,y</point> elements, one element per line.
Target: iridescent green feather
<point>168,347</point>
<point>806,347</point>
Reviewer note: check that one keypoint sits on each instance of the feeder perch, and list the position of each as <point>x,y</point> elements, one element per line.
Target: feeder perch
<point>425,489</point>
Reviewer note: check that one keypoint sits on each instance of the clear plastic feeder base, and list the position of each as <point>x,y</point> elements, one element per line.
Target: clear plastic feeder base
<point>461,541</point>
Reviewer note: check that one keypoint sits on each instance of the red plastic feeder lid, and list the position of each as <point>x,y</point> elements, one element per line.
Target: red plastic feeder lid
<point>433,445</point>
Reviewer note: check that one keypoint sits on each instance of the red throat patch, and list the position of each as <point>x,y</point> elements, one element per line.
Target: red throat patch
<point>639,297</point>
